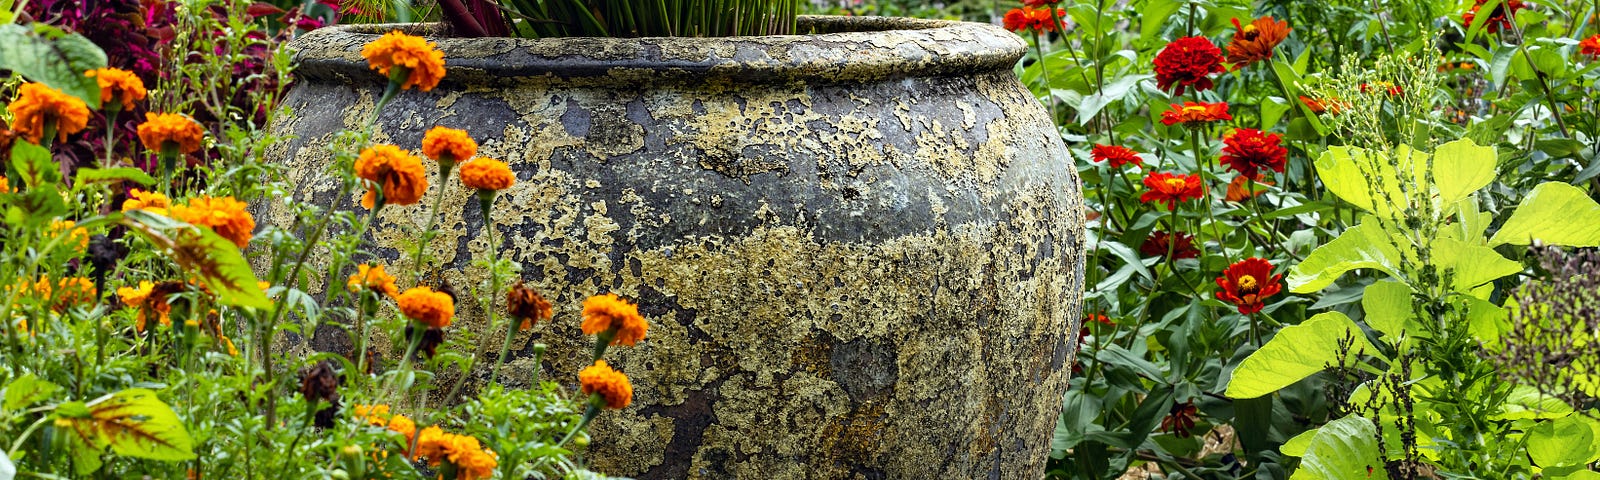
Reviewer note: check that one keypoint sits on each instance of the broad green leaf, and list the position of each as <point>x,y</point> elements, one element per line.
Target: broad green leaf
<point>201,252</point>
<point>34,207</point>
<point>1364,246</point>
<point>1113,92</point>
<point>91,175</point>
<point>47,55</point>
<point>1562,442</point>
<point>1462,167</point>
<point>1487,322</point>
<point>1343,449</point>
<point>1297,352</point>
<point>1366,179</point>
<point>1525,402</point>
<point>35,164</point>
<point>134,423</point>
<point>1471,265</point>
<point>1154,14</point>
<point>1272,110</point>
<point>1553,213</point>
<point>1387,304</point>
<point>1296,447</point>
<point>1578,475</point>
<point>28,390</point>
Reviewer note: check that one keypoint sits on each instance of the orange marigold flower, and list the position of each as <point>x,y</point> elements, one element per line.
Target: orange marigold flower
<point>223,215</point>
<point>153,202</point>
<point>1171,189</point>
<point>1188,62</point>
<point>148,298</point>
<point>612,385</point>
<point>419,60</point>
<point>5,184</point>
<point>487,174</point>
<point>1249,151</point>
<point>161,130</point>
<point>399,173</point>
<point>1192,114</point>
<point>38,105</point>
<point>118,86</point>
<point>1590,46</point>
<point>526,304</point>
<point>372,277</point>
<point>226,342</point>
<point>375,415</point>
<point>1247,283</point>
<point>1116,154</point>
<point>471,460</point>
<point>434,309</point>
<point>610,312</point>
<point>1239,189</point>
<point>77,236</point>
<point>1254,42</point>
<point>448,144</point>
<point>404,426</point>
<point>73,291</point>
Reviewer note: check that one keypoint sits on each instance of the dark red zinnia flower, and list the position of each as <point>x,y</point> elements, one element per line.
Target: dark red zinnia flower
<point>1171,189</point>
<point>1180,244</point>
<point>1116,154</point>
<point>1192,114</point>
<point>1497,18</point>
<point>1249,151</point>
<point>1180,419</point>
<point>1247,283</point>
<point>1188,62</point>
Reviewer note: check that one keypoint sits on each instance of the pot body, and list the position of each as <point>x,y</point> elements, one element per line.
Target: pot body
<point>860,250</point>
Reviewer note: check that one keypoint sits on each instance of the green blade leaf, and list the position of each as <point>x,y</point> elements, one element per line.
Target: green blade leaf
<point>1343,449</point>
<point>92,175</point>
<point>1297,352</point>
<point>28,390</point>
<point>1547,215</point>
<point>52,57</point>
<point>1364,246</point>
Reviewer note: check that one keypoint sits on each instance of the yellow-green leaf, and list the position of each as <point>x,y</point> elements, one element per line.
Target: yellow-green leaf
<point>1556,214</point>
<point>28,390</point>
<point>1343,449</point>
<point>1297,352</point>
<point>1364,246</point>
<point>1460,168</point>
<point>1387,304</point>
<point>1472,265</point>
<point>134,423</point>
<point>204,254</point>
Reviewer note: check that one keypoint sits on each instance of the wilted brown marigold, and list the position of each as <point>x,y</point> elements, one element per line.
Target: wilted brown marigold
<point>160,130</point>
<point>487,174</point>
<point>38,105</point>
<point>448,144</point>
<point>118,87</point>
<point>372,277</point>
<point>153,202</point>
<point>607,312</point>
<point>612,385</point>
<point>1254,42</point>
<point>524,303</point>
<point>224,215</point>
<point>421,61</point>
<point>424,305</point>
<point>398,172</point>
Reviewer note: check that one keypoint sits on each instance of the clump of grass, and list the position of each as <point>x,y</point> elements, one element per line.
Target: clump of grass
<point>620,18</point>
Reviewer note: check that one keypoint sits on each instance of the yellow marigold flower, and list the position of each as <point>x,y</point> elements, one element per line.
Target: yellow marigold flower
<point>118,86</point>
<point>372,277</point>
<point>434,309</point>
<point>78,236</point>
<point>147,298</point>
<point>72,291</point>
<point>422,61</point>
<point>162,129</point>
<point>400,173</point>
<point>448,144</point>
<point>404,426</point>
<point>607,312</point>
<point>469,456</point>
<point>38,105</point>
<point>153,202</point>
<point>5,184</point>
<point>376,415</point>
<point>612,385</point>
<point>487,174</point>
<point>223,215</point>
<point>232,352</point>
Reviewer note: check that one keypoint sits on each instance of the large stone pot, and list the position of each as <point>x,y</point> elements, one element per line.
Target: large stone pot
<point>861,250</point>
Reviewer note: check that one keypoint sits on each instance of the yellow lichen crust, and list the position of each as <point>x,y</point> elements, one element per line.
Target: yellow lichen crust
<point>860,254</point>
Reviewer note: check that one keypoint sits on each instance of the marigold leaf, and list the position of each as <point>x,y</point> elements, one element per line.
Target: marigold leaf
<point>219,265</point>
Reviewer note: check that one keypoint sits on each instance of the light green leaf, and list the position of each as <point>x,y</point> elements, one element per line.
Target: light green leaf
<point>1297,352</point>
<point>1472,265</point>
<point>134,423</point>
<point>47,55</point>
<point>1113,92</point>
<point>1364,246</point>
<point>1462,167</point>
<point>91,175</point>
<point>1372,180</point>
<point>1553,213</point>
<point>1578,475</point>
<point>1562,442</point>
<point>28,390</point>
<point>1387,304</point>
<point>1525,402</point>
<point>1343,449</point>
<point>1487,322</point>
<point>1296,447</point>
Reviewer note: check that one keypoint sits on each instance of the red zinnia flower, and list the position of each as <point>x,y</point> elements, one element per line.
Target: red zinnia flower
<point>1254,42</point>
<point>1321,105</point>
<point>1028,18</point>
<point>1497,18</point>
<point>1188,62</point>
<point>1247,283</point>
<point>1394,90</point>
<point>1590,46</point>
<point>1181,244</point>
<point>1039,3</point>
<point>1192,114</point>
<point>1171,189</point>
<point>1248,151</point>
<point>1116,154</point>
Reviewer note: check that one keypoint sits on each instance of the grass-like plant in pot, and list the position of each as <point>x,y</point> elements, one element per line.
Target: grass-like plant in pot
<point>620,18</point>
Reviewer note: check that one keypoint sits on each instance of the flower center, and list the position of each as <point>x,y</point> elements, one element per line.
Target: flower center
<point>1176,183</point>
<point>1247,283</point>
<point>1194,109</point>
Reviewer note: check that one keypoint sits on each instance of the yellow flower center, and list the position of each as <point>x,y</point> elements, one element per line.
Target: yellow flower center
<point>1194,109</point>
<point>1176,183</point>
<point>1251,28</point>
<point>1247,283</point>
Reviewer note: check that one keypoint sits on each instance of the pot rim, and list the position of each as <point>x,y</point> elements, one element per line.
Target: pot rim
<point>848,49</point>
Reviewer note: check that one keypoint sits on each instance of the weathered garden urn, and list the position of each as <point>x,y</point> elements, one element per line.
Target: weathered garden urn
<point>860,250</point>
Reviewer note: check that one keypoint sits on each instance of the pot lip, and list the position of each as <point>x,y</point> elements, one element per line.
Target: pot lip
<point>849,49</point>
